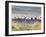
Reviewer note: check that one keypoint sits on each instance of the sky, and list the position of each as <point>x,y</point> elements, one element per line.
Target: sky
<point>26,10</point>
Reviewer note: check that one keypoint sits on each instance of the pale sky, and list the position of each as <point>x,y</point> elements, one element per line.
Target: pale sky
<point>26,10</point>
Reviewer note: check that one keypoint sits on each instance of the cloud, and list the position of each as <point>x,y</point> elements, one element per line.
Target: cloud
<point>26,10</point>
